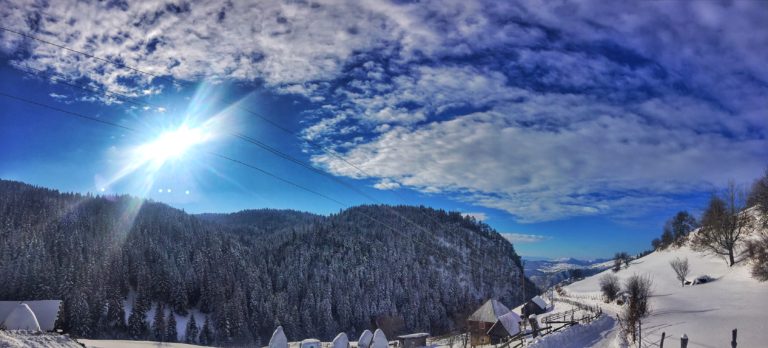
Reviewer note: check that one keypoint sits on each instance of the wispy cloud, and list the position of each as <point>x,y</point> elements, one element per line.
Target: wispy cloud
<point>525,238</point>
<point>610,109</point>
<point>477,215</point>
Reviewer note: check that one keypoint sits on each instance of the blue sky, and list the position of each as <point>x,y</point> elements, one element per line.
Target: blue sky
<point>575,128</point>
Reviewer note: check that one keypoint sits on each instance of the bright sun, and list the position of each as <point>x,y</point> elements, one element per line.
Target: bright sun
<point>171,145</point>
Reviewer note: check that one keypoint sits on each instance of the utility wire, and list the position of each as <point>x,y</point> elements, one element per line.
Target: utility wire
<point>261,170</point>
<point>173,81</point>
<point>248,139</point>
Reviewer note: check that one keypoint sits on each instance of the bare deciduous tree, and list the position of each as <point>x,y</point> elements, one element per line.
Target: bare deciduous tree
<point>723,224</point>
<point>638,289</point>
<point>609,285</point>
<point>680,266</point>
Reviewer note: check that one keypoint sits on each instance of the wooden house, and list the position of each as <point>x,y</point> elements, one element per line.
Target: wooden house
<point>481,321</point>
<point>415,340</point>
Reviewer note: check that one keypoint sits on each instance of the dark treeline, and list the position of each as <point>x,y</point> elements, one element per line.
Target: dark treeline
<point>250,271</point>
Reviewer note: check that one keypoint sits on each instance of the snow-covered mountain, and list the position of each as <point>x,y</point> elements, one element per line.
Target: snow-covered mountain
<point>545,273</point>
<point>115,257</point>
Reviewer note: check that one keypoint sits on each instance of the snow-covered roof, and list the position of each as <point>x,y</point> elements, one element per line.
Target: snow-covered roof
<point>278,339</point>
<point>379,340</point>
<point>365,339</point>
<point>341,341</point>
<point>21,318</point>
<point>540,302</point>
<point>46,311</point>
<point>489,312</point>
<point>414,335</point>
<point>510,322</point>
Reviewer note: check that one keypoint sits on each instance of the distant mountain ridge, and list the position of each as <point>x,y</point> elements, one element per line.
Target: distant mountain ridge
<point>546,273</point>
<point>250,271</point>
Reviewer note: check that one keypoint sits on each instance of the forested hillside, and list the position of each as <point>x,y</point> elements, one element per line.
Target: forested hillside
<point>249,271</point>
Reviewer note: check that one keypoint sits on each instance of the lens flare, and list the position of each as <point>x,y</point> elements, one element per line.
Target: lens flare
<point>171,145</point>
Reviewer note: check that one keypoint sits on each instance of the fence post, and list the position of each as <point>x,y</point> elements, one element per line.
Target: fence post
<point>733,338</point>
<point>684,341</point>
<point>663,335</point>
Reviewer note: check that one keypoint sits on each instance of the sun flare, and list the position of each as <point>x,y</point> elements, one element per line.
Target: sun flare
<point>171,145</point>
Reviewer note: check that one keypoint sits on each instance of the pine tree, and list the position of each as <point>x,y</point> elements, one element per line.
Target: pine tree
<point>158,325</point>
<point>137,324</point>
<point>206,336</point>
<point>171,335</point>
<point>192,332</point>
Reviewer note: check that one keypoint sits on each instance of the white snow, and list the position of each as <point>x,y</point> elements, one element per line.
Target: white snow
<point>379,340</point>
<point>278,339</point>
<point>578,335</point>
<point>46,311</point>
<point>341,341</point>
<point>27,339</point>
<point>21,318</point>
<point>511,322</point>
<point>540,302</point>
<point>706,313</point>
<point>132,344</point>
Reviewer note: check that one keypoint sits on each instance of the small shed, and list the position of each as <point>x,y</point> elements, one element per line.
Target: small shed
<point>508,325</point>
<point>310,343</point>
<point>278,339</point>
<point>379,340</point>
<point>21,318</point>
<point>414,340</point>
<point>365,339</point>
<point>536,305</point>
<point>482,319</point>
<point>341,341</point>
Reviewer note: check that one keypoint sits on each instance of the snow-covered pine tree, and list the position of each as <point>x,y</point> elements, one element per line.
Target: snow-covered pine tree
<point>171,334</point>
<point>137,323</point>
<point>190,335</point>
<point>206,336</point>
<point>158,324</point>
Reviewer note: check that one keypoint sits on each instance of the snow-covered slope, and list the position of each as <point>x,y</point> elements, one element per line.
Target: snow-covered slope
<point>706,313</point>
<point>27,339</point>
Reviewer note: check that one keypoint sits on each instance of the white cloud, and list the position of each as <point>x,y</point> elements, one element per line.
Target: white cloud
<point>598,159</point>
<point>386,184</point>
<point>524,238</point>
<point>583,108</point>
<point>477,215</point>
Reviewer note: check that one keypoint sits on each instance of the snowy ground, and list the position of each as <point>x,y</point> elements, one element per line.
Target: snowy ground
<point>26,339</point>
<point>706,313</point>
<point>132,344</point>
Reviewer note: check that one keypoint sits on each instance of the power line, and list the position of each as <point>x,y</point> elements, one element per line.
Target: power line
<point>261,170</point>
<point>172,80</point>
<point>258,143</point>
<point>118,64</point>
<point>77,114</point>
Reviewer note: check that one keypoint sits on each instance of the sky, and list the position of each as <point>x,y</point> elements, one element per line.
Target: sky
<point>574,128</point>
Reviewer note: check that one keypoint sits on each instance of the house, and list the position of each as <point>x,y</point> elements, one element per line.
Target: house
<point>46,312</point>
<point>415,340</point>
<point>507,326</point>
<point>483,319</point>
<point>310,343</point>
<point>278,339</point>
<point>365,339</point>
<point>536,305</point>
<point>341,341</point>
